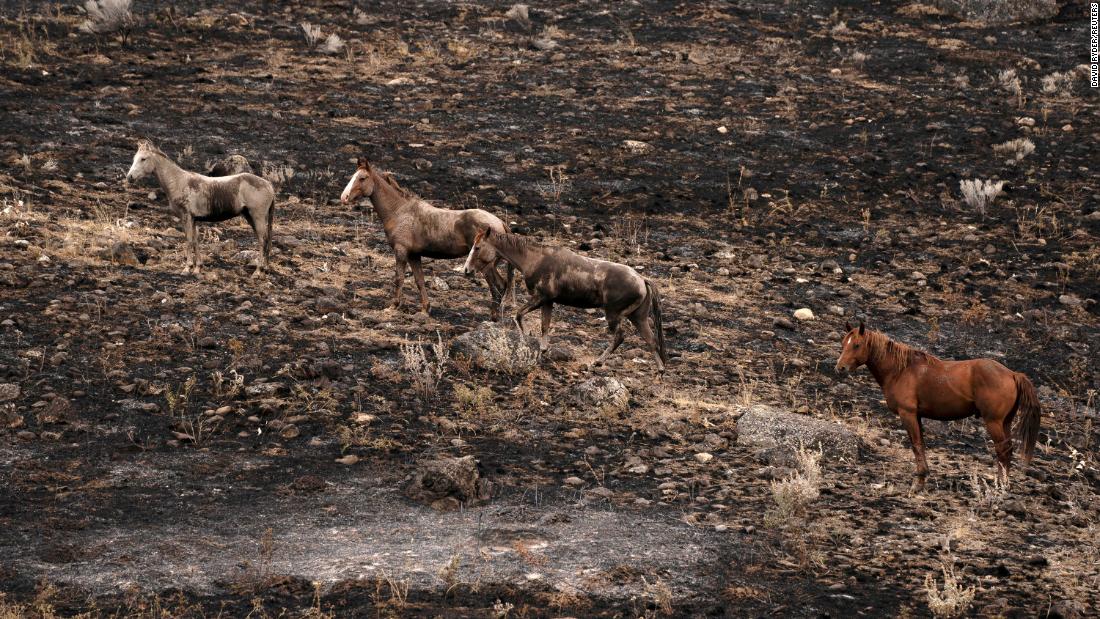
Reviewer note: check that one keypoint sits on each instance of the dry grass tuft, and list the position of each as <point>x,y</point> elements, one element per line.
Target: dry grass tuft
<point>1009,82</point>
<point>1017,149</point>
<point>979,194</point>
<point>953,600</point>
<point>425,372</point>
<point>794,494</point>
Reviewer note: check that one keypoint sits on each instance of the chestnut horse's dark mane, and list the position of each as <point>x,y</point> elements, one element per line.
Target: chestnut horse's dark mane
<point>886,352</point>
<point>393,183</point>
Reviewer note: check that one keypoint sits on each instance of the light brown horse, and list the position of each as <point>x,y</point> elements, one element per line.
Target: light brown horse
<point>918,385</point>
<point>416,229</point>
<point>558,275</point>
<point>194,198</point>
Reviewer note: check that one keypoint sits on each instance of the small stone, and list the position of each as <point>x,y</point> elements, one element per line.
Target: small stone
<point>723,130</point>
<point>1071,300</point>
<point>348,459</point>
<point>8,392</point>
<point>703,457</point>
<point>1067,127</point>
<point>804,314</point>
<point>573,481</point>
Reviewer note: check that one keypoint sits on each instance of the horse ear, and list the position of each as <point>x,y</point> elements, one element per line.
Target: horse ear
<point>847,327</point>
<point>861,326</point>
<point>364,164</point>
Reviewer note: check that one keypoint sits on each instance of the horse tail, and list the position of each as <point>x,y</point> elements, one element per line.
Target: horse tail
<point>510,278</point>
<point>1029,414</point>
<point>509,287</point>
<point>270,228</point>
<point>655,309</point>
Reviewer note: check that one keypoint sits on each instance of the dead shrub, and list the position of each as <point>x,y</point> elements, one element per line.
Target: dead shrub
<point>953,600</point>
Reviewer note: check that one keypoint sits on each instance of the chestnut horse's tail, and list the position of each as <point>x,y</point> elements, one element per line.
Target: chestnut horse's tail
<point>1028,414</point>
<point>655,308</point>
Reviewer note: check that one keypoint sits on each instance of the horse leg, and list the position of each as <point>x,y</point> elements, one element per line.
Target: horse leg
<point>190,244</point>
<point>544,341</point>
<point>418,275</point>
<point>257,228</point>
<point>531,306</point>
<point>645,329</point>
<point>496,291</point>
<point>1002,445</point>
<point>615,327</point>
<point>401,262</point>
<point>912,425</point>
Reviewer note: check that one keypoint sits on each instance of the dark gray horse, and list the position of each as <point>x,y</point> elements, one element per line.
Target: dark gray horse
<point>558,275</point>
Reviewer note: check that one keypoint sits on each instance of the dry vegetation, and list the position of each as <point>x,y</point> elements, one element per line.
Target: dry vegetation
<point>237,447</point>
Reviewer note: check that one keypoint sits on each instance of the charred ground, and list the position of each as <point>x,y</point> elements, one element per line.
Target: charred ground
<point>779,159</point>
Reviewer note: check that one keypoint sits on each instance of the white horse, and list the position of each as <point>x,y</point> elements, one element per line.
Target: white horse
<point>194,197</point>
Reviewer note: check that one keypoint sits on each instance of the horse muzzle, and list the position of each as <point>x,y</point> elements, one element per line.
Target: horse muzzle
<point>842,369</point>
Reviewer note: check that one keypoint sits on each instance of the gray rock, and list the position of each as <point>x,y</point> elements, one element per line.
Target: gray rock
<point>326,305</point>
<point>778,435</point>
<point>131,405</point>
<point>447,483</point>
<point>498,348</point>
<point>601,392</point>
<point>9,392</point>
<point>121,253</point>
<point>262,389</point>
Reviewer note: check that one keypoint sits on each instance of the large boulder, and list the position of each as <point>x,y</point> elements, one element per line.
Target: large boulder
<point>498,348</point>
<point>448,483</point>
<point>776,435</point>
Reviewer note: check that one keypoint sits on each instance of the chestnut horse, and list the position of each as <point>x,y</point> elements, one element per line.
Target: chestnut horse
<point>558,275</point>
<point>918,385</point>
<point>416,229</point>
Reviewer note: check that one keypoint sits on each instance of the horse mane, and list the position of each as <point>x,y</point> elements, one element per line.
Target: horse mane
<point>392,182</point>
<point>508,240</point>
<point>888,352</point>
